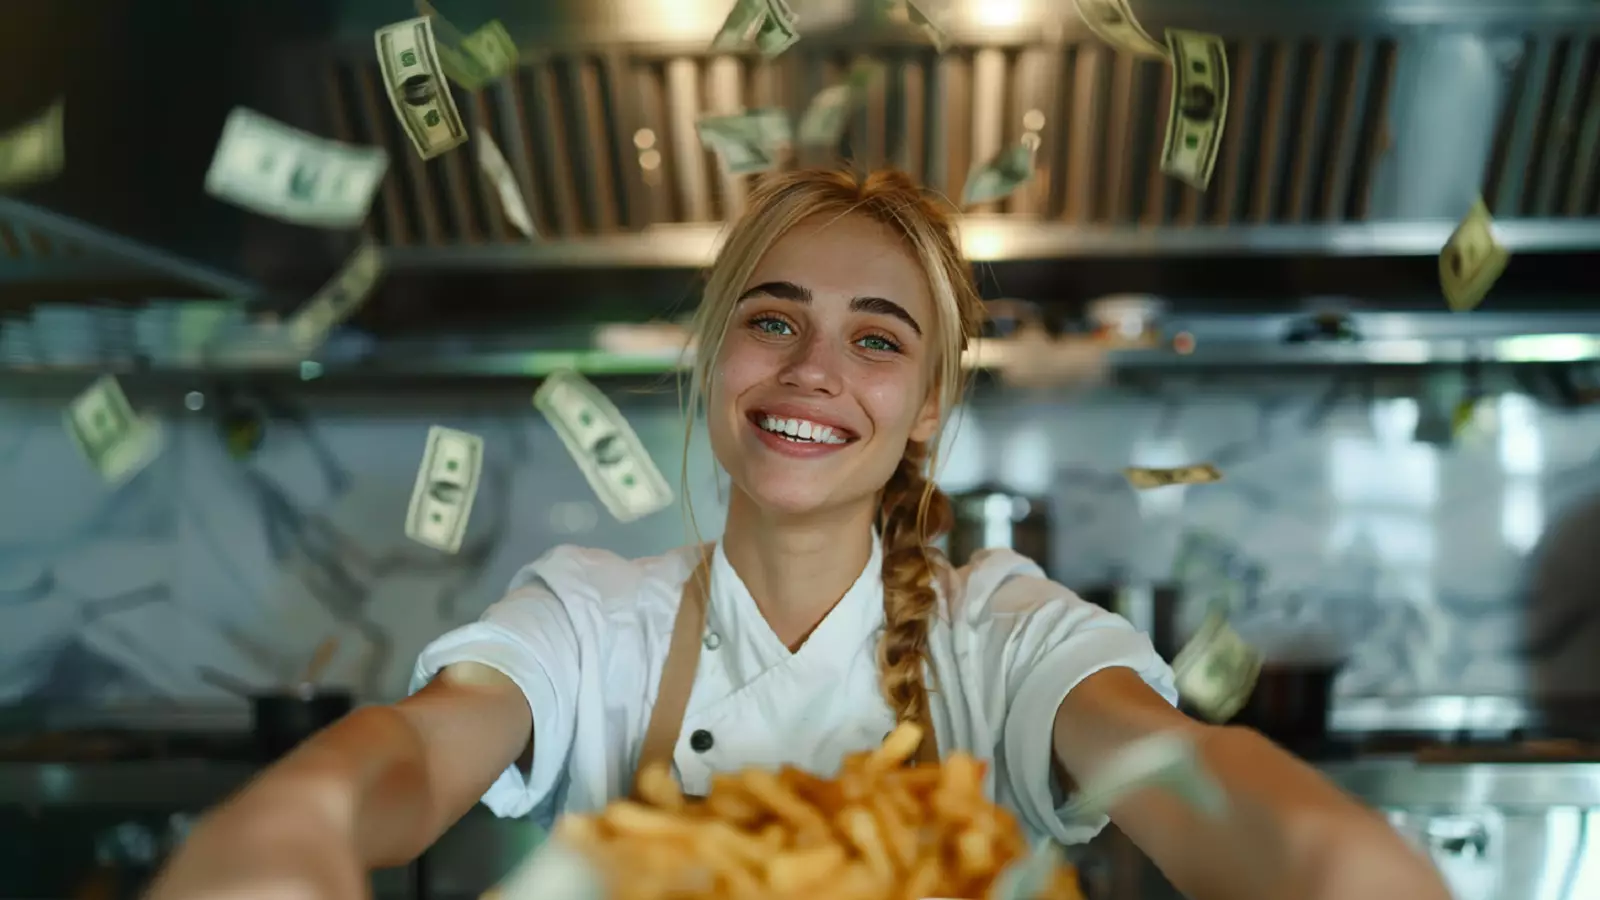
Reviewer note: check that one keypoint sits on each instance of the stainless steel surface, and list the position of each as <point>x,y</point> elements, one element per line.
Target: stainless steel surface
<point>1496,832</point>
<point>1355,128</point>
<point>1209,341</point>
<point>995,239</point>
<point>1450,87</point>
<point>1401,783</point>
<point>1435,715</point>
<point>1365,114</point>
<point>37,245</point>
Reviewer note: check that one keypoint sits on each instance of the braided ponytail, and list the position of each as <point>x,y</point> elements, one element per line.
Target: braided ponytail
<point>912,514</point>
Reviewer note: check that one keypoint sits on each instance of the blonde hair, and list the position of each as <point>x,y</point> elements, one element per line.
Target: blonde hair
<point>913,512</point>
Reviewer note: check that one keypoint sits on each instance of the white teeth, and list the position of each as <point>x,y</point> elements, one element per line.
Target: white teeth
<point>801,430</point>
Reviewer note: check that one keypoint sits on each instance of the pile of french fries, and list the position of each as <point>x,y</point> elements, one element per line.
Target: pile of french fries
<point>879,830</point>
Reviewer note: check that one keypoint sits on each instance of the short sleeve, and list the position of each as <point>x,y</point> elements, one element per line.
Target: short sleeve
<point>528,636</point>
<point>1054,641</point>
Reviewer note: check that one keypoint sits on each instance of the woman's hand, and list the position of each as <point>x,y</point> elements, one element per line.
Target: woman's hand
<point>277,845</point>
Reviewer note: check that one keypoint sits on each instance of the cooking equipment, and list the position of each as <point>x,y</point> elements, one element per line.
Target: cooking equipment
<point>1151,608</point>
<point>282,718</point>
<point>992,516</point>
<point>1290,703</point>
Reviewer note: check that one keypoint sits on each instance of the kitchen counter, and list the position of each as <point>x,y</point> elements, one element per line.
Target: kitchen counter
<point>71,813</point>
<point>156,784</point>
<point>1492,827</point>
<point>1401,781</point>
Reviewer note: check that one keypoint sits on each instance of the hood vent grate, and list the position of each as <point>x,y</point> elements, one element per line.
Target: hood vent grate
<point>1546,159</point>
<point>603,143</point>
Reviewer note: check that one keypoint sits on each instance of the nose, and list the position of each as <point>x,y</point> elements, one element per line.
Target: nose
<point>813,366</point>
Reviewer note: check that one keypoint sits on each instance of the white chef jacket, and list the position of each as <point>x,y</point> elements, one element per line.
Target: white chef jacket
<point>584,633</point>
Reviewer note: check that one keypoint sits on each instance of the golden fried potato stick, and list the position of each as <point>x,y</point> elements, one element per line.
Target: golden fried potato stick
<point>878,830</point>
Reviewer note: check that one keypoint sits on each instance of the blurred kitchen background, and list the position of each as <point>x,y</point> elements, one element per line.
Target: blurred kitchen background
<point>1411,496</point>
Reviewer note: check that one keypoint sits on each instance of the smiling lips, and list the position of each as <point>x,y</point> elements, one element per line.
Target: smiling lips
<point>798,436</point>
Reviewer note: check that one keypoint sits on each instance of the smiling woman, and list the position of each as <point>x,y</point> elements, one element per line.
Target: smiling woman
<point>830,340</point>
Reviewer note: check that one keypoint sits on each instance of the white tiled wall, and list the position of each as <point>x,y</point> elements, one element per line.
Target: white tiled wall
<point>1423,563</point>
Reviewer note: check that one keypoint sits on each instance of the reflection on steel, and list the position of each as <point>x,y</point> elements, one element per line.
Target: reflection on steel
<point>1433,715</point>
<point>995,239</point>
<point>44,237</point>
<point>1400,783</point>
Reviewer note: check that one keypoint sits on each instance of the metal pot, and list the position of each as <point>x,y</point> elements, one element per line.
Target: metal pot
<point>991,516</point>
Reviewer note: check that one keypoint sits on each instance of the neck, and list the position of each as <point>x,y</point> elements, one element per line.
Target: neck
<point>797,569</point>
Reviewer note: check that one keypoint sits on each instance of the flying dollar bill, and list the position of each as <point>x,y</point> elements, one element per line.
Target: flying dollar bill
<point>338,299</point>
<point>491,51</point>
<point>34,151</point>
<point>1472,260</point>
<point>828,113</point>
<point>268,167</point>
<point>1144,479</point>
<point>766,25</point>
<point>496,169</point>
<point>613,460</point>
<point>777,32</point>
<point>447,483</point>
<point>747,142</point>
<point>479,58</point>
<point>114,439</point>
<point>1216,670</point>
<point>998,177</point>
<point>414,78</point>
<point>936,35</point>
<point>1115,23</point>
<point>1167,760</point>
<point>1199,106</point>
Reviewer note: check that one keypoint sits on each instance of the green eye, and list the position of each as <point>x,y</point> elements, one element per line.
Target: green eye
<point>768,325</point>
<point>875,342</point>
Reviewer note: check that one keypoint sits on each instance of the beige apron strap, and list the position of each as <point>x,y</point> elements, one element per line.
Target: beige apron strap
<point>677,672</point>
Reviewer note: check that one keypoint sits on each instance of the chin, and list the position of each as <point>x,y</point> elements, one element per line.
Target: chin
<point>789,497</point>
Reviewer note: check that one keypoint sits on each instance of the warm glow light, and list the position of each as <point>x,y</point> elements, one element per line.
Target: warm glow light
<point>983,243</point>
<point>999,13</point>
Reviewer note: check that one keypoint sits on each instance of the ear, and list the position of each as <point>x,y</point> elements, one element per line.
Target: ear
<point>927,421</point>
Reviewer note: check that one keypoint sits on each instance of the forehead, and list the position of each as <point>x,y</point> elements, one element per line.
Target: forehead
<point>848,256</point>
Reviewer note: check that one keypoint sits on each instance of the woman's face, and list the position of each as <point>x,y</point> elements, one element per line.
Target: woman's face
<point>826,369</point>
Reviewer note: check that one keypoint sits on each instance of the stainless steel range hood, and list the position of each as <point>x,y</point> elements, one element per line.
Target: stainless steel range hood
<point>1358,132</point>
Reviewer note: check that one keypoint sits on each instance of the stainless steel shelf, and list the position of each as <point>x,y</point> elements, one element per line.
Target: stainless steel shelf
<point>1004,239</point>
<point>1226,342</point>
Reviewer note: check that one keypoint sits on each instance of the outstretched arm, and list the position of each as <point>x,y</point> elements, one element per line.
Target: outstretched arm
<point>1289,832</point>
<point>372,790</point>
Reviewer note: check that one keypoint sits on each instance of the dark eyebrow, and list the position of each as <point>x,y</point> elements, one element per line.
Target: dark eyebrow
<point>788,290</point>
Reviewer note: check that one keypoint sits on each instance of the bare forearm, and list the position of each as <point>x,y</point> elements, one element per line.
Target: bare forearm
<point>366,775</point>
<point>1288,832</point>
